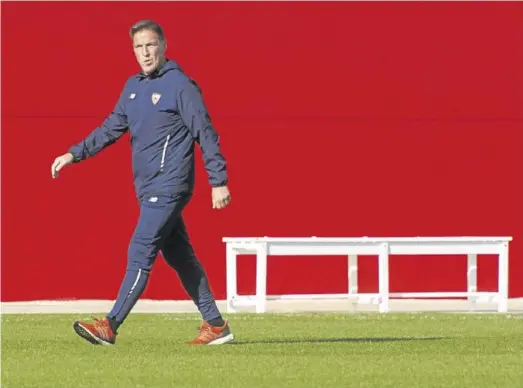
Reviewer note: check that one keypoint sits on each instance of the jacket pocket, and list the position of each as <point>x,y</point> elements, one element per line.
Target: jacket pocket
<point>164,152</point>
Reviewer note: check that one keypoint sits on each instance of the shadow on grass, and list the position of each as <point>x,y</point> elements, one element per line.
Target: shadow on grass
<point>334,340</point>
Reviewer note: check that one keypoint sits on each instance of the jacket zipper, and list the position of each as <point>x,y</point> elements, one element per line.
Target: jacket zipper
<point>164,152</point>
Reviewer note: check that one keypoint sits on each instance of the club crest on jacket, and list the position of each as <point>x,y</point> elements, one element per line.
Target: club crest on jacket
<point>156,97</point>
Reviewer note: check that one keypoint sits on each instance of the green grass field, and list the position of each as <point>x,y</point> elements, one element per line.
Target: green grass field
<point>284,350</point>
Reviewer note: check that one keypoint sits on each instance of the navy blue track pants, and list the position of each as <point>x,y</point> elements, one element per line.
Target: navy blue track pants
<point>161,228</point>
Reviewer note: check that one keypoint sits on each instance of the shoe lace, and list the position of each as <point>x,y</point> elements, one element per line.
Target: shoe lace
<point>98,322</point>
<point>205,331</point>
<point>101,326</point>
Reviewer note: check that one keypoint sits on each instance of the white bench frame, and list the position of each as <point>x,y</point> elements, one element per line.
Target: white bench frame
<point>354,247</point>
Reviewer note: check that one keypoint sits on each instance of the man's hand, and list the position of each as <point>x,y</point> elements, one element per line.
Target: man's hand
<point>220,197</point>
<point>60,162</point>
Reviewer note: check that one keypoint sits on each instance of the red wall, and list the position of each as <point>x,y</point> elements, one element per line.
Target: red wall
<point>339,119</point>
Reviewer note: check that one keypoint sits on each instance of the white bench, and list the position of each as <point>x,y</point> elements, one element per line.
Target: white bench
<point>354,247</point>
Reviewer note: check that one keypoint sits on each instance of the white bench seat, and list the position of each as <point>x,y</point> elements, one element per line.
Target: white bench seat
<point>364,246</point>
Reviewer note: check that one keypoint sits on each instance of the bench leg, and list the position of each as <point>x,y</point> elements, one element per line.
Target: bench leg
<point>261,279</point>
<point>231,278</point>
<point>383,262</point>
<point>503,279</point>
<point>472,276</point>
<point>353,274</point>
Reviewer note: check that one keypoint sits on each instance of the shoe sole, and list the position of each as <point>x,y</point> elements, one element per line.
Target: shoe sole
<point>87,335</point>
<point>223,340</point>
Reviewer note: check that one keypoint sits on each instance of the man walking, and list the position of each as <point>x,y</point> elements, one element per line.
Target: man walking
<point>164,112</point>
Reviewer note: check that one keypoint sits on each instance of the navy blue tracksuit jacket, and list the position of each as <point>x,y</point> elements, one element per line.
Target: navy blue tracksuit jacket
<point>165,115</point>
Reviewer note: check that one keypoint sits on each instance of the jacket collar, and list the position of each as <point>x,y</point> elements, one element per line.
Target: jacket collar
<point>161,70</point>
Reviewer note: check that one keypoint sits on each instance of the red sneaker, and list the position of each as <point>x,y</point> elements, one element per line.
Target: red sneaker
<point>98,333</point>
<point>212,335</point>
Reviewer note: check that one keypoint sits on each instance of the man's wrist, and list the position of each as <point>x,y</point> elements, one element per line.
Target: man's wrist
<point>74,157</point>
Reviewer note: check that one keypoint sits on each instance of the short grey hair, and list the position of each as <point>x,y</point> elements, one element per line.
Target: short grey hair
<point>150,25</point>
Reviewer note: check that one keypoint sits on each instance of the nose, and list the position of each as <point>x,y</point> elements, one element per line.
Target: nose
<point>145,51</point>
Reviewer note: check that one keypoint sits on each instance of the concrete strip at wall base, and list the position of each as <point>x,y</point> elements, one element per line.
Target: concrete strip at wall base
<point>273,306</point>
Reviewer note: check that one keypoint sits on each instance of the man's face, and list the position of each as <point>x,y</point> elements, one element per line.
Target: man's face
<point>148,50</point>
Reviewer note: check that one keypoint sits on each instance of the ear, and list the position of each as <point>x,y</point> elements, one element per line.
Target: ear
<point>163,46</point>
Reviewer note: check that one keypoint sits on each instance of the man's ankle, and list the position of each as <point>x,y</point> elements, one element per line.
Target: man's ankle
<point>114,325</point>
<point>216,322</point>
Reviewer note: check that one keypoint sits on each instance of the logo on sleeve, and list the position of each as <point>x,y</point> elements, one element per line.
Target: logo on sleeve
<point>132,96</point>
<point>156,97</point>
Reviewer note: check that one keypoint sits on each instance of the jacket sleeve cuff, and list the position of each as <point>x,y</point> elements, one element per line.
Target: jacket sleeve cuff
<point>76,152</point>
<point>219,183</point>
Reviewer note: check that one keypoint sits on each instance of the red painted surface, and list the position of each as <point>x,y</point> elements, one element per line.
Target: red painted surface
<point>340,119</point>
